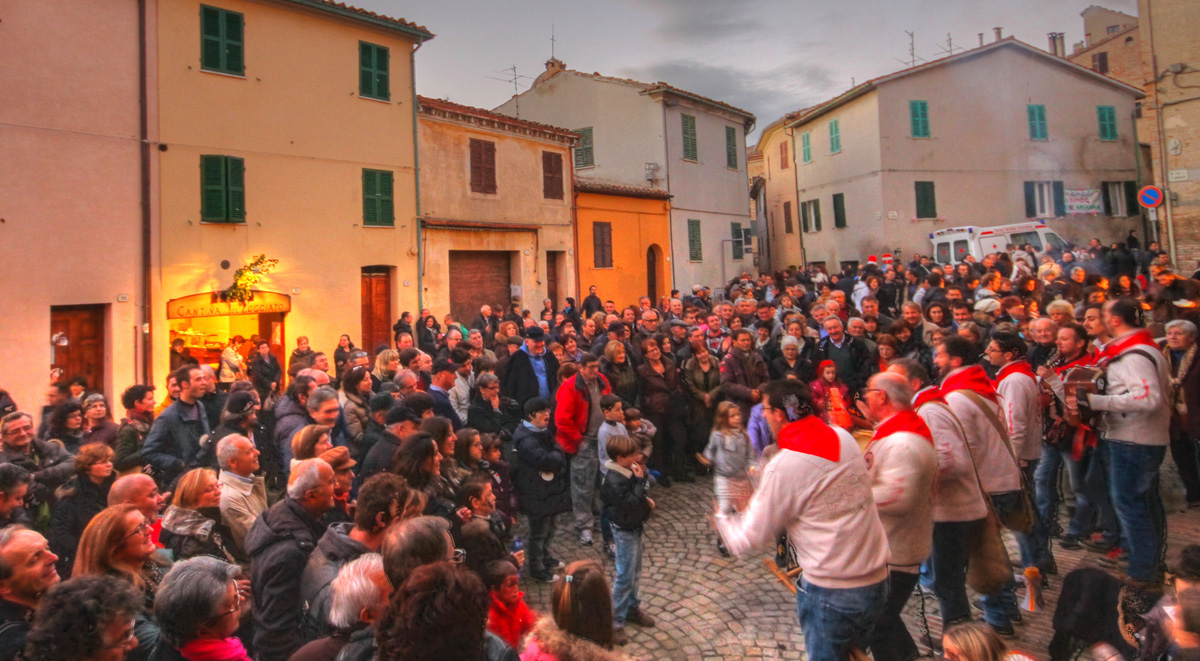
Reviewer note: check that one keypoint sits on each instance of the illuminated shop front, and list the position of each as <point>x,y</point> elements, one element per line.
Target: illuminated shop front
<point>205,322</point>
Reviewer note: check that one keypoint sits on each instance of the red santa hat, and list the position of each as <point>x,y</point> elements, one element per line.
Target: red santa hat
<point>872,260</point>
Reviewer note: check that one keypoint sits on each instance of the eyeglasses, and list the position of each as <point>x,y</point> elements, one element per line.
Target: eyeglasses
<point>143,528</point>
<point>862,394</point>
<point>237,605</point>
<point>460,556</point>
<point>123,641</point>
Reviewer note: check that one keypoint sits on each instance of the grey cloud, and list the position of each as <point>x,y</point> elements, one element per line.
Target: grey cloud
<point>703,21</point>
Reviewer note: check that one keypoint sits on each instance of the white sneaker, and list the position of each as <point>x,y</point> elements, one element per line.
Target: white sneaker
<point>585,538</point>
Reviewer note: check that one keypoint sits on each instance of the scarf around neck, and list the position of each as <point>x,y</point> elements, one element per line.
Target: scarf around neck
<point>810,435</point>
<point>971,378</point>
<point>904,421</point>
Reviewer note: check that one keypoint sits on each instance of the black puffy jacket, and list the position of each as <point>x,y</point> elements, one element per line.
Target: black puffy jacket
<point>540,473</point>
<point>334,550</point>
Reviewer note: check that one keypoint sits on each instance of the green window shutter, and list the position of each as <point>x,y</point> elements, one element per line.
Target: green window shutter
<point>926,199</point>
<point>370,190</point>
<point>584,156</point>
<point>235,173</point>
<point>731,150</point>
<point>839,210</point>
<point>806,146</point>
<point>221,40</point>
<point>835,137</point>
<point>1038,130</point>
<point>378,198</point>
<point>373,71</point>
<point>1030,199</point>
<point>816,215</point>
<point>1060,200</point>
<point>690,149</point>
<point>211,44</point>
<point>1107,116</point>
<point>695,247</point>
<point>805,225</point>
<point>212,189</point>
<point>739,247</point>
<point>1131,199</point>
<point>919,114</point>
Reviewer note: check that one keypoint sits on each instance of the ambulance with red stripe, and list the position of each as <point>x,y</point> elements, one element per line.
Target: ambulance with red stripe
<point>952,245</point>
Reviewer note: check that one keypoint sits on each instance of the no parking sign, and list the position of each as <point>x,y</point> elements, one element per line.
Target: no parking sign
<point>1150,196</point>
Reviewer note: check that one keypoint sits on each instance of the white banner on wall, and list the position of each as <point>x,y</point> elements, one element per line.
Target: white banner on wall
<point>1084,200</point>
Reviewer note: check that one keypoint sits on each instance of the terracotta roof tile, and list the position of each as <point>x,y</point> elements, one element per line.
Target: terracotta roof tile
<point>585,186</point>
<point>366,12</point>
<point>427,102</point>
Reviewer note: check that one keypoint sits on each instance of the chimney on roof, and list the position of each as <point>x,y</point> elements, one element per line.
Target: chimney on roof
<point>1053,41</point>
<point>553,66</point>
<point>1062,44</point>
<point>999,33</point>
<point>980,39</point>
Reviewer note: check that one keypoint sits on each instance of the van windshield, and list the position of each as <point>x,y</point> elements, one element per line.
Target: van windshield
<point>1022,238</point>
<point>1056,241</point>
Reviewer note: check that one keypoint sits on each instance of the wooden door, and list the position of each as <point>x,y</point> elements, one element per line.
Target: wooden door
<point>77,339</point>
<point>652,274</point>
<point>478,277</point>
<point>376,308</point>
<point>552,270</point>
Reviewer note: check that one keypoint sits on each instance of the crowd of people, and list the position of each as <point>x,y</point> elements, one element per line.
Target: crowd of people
<point>877,427</point>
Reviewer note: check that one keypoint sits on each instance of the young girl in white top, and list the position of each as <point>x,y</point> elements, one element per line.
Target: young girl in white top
<point>730,455</point>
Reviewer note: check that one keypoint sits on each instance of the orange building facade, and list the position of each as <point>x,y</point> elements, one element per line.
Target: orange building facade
<point>623,238</point>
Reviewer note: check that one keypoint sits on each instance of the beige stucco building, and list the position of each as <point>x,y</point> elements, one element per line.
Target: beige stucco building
<point>655,135</point>
<point>496,218</point>
<point>285,128</point>
<point>991,136</point>
<point>70,202</point>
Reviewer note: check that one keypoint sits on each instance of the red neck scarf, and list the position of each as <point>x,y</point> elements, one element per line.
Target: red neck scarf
<point>1083,359</point>
<point>930,394</point>
<point>904,421</point>
<point>1015,367</point>
<point>1117,346</point>
<point>810,435</point>
<point>971,378</point>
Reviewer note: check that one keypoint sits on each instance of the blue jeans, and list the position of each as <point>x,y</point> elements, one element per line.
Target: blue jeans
<point>1096,479</point>
<point>1133,478</point>
<point>949,564</point>
<point>834,620</point>
<point>629,572</point>
<point>1035,546</point>
<point>541,531</point>
<point>1048,497</point>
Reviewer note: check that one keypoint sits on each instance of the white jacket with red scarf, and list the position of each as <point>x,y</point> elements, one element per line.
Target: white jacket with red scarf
<point>1018,387</point>
<point>957,496</point>
<point>997,469</point>
<point>903,466</point>
<point>1137,403</point>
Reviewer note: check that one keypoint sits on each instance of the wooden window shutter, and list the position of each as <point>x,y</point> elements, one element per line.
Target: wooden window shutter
<point>211,45</point>
<point>1131,198</point>
<point>370,189</point>
<point>233,43</point>
<point>584,156</point>
<point>783,155</point>
<point>690,149</point>
<point>366,69</point>
<point>476,166</point>
<point>1060,200</point>
<point>212,188</point>
<point>236,181</point>
<point>382,84</point>
<point>926,199</point>
<point>839,210</point>
<point>1106,198</point>
<point>805,223</point>
<point>806,146</point>
<point>787,217</point>
<point>816,213</point>
<point>919,116</point>
<point>1030,199</point>
<point>1107,118</point>
<point>738,245</point>
<point>835,136</point>
<point>489,167</point>
<point>552,175</point>
<point>602,245</point>
<point>695,245</point>
<point>731,147</point>
<point>1038,130</point>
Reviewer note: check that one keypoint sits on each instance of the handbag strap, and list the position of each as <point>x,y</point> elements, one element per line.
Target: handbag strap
<point>987,499</point>
<point>1000,426</point>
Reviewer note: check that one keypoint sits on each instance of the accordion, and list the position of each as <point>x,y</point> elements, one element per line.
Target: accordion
<point>1090,380</point>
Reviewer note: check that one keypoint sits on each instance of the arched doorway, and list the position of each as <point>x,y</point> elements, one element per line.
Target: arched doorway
<point>652,274</point>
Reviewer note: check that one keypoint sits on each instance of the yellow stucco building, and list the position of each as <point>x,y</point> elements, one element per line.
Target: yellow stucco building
<point>624,238</point>
<point>283,128</point>
<point>496,221</point>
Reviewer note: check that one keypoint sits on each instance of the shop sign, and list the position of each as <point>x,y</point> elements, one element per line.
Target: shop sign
<point>211,305</point>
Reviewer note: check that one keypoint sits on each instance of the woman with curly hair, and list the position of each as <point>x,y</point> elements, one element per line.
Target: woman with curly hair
<point>439,613</point>
<point>66,425</point>
<point>86,619</point>
<point>419,462</point>
<point>79,500</point>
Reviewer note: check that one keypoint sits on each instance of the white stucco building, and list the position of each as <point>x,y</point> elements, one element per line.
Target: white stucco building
<point>655,135</point>
<point>990,136</point>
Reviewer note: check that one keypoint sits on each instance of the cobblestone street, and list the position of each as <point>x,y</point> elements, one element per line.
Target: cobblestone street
<point>710,607</point>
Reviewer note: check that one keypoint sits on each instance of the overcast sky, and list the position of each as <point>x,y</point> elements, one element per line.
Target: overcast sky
<point>767,56</point>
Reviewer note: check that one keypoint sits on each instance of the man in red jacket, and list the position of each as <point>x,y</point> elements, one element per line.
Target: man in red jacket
<point>578,417</point>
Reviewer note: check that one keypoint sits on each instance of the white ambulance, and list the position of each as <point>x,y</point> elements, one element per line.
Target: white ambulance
<point>952,245</point>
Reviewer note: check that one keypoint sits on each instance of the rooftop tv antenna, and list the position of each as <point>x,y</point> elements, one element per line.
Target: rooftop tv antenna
<point>515,79</point>
<point>912,60</point>
<point>552,40</point>
<point>949,49</point>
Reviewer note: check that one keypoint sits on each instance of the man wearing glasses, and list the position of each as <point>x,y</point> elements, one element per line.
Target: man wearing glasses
<point>50,463</point>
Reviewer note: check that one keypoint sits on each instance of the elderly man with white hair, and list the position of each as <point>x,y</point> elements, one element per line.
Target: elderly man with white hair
<point>902,464</point>
<point>1185,404</point>
<point>279,545</point>
<point>360,596</point>
<point>243,494</point>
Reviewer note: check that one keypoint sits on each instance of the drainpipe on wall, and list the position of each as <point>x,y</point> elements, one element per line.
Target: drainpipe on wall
<point>791,133</point>
<point>412,61</point>
<point>144,130</point>
<point>670,211</point>
<point>574,223</point>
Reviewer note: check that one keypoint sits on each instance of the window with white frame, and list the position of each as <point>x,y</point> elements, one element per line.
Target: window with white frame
<point>1116,199</point>
<point>1043,197</point>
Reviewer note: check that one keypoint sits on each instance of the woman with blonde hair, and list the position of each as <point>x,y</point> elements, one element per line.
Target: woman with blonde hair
<point>79,500</point>
<point>387,364</point>
<point>118,543</point>
<point>192,526</point>
<point>976,641</point>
